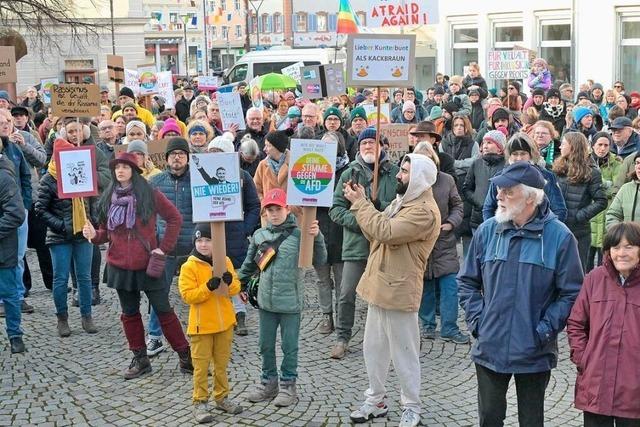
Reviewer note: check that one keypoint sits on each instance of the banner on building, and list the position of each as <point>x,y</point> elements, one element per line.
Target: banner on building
<point>311,173</point>
<point>75,100</point>
<point>508,64</point>
<point>381,60</point>
<point>398,13</point>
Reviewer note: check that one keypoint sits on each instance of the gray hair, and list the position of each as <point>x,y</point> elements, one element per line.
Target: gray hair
<point>253,110</point>
<point>306,132</point>
<point>531,192</point>
<point>249,146</point>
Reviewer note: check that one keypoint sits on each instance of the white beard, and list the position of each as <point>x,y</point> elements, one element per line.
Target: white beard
<point>503,216</point>
<point>369,158</point>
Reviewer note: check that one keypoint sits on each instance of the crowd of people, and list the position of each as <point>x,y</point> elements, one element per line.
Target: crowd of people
<point>540,190</point>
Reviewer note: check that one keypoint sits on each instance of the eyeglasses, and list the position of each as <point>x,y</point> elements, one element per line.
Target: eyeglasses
<point>177,154</point>
<point>308,116</point>
<point>368,142</point>
<point>331,119</point>
<point>618,86</point>
<point>541,134</point>
<point>106,128</point>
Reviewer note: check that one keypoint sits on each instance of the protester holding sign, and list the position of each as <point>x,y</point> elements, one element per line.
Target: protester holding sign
<point>200,133</point>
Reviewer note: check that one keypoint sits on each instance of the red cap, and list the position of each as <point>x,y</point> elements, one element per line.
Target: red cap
<point>276,196</point>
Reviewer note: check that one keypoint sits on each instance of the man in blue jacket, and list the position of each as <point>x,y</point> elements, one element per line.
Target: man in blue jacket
<point>517,285</point>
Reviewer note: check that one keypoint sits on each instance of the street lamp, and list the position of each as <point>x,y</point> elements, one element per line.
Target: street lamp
<point>185,19</point>
<point>257,9</point>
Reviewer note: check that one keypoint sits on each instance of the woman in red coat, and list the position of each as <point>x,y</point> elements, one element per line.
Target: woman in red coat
<point>604,333</point>
<point>127,216</point>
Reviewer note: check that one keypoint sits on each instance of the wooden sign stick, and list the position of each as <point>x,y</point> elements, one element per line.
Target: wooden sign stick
<point>376,165</point>
<point>306,240</point>
<point>219,255</point>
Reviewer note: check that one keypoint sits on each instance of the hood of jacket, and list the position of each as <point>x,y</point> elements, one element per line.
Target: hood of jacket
<point>422,176</point>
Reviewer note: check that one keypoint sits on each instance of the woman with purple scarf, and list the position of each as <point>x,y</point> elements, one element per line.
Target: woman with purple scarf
<point>127,216</point>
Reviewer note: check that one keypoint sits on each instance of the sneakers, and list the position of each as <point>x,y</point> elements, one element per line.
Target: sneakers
<point>429,333</point>
<point>287,395</point>
<point>229,406</point>
<point>63,325</point>
<point>202,413</point>
<point>409,419</point>
<point>88,325</point>
<point>368,412</point>
<point>264,391</point>
<point>458,338</point>
<point>26,308</point>
<point>17,345</point>
<point>339,350</point>
<point>139,365</point>
<point>155,346</point>
<point>186,366</point>
<point>241,326</point>
<point>326,325</point>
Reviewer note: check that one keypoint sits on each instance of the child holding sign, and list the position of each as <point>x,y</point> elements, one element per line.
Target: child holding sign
<point>274,251</point>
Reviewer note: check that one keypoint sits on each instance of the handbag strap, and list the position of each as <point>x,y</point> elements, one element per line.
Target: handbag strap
<point>276,243</point>
<point>146,244</point>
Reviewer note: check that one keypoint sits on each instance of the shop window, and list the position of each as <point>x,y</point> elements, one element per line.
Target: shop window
<point>555,48</point>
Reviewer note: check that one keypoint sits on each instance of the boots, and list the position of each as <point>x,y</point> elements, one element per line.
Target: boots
<point>139,365</point>
<point>63,325</point>
<point>186,367</point>
<point>95,294</point>
<point>88,325</point>
<point>326,325</point>
<point>241,327</point>
<point>287,395</point>
<point>267,389</point>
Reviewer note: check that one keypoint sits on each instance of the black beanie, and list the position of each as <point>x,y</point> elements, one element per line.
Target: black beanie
<point>519,144</point>
<point>538,91</point>
<point>451,107</point>
<point>177,143</point>
<point>553,93</point>
<point>203,229</point>
<point>279,139</point>
<point>438,90</point>
<point>125,91</point>
<point>499,113</point>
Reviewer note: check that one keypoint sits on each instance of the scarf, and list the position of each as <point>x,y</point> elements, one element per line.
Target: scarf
<point>554,111</point>
<point>276,165</point>
<point>201,149</point>
<point>548,152</point>
<point>122,209</point>
<point>78,214</point>
<point>201,257</point>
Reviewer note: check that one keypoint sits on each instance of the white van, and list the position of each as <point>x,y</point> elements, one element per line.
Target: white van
<point>259,62</point>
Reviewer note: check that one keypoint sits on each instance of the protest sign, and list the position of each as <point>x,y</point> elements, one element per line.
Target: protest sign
<point>508,64</point>
<point>398,13</point>
<point>312,173</point>
<point>231,110</point>
<point>208,82</point>
<point>293,71</point>
<point>45,88</point>
<point>381,60</point>
<point>216,187</point>
<point>75,100</point>
<point>8,64</point>
<point>165,88</point>
<point>372,113</point>
<point>115,68</point>
<point>398,136</point>
<point>148,79</point>
<point>131,81</point>
<point>76,170</point>
<point>156,150</point>
<point>319,81</point>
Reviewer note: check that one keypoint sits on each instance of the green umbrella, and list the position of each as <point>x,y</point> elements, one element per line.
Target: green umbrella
<point>274,81</point>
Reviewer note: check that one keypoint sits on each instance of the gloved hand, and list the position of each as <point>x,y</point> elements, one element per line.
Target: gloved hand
<point>213,283</point>
<point>227,278</point>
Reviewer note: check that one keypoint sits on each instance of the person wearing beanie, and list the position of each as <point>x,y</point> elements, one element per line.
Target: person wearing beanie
<point>200,132</point>
<point>458,95</point>
<point>358,124</point>
<point>536,100</point>
<point>596,94</point>
<point>334,122</point>
<point>170,129</point>
<point>332,119</point>
<point>409,94</point>
<point>221,144</point>
<point>129,111</point>
<point>554,110</point>
<point>134,130</point>
<point>583,122</point>
<point>474,80</point>
<point>583,98</point>
<point>5,100</point>
<point>272,171</point>
<point>540,76</point>
<point>126,96</point>
<point>438,93</point>
<point>408,113</point>
<point>140,150</point>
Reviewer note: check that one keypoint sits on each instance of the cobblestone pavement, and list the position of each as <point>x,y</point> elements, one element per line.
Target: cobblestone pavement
<point>78,380</point>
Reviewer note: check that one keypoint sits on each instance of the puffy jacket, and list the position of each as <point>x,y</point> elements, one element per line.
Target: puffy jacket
<point>625,205</point>
<point>444,257</point>
<point>178,190</point>
<point>584,201</point>
<point>421,113</point>
<point>281,289</point>
<point>237,232</point>
<point>551,190</point>
<point>604,336</point>
<point>609,170</point>
<point>355,247</point>
<point>476,184</point>
<point>542,80</point>
<point>57,213</point>
<point>12,214</point>
<point>143,114</point>
<point>22,170</point>
<point>479,81</point>
<point>209,312</point>
<point>588,133</point>
<point>517,287</point>
<point>464,150</point>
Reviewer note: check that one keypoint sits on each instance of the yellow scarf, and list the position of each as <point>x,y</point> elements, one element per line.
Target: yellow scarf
<point>78,214</point>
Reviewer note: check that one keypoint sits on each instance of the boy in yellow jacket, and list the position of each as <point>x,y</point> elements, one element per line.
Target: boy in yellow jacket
<point>211,322</point>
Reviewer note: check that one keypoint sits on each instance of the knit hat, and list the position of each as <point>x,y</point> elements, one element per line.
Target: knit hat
<point>436,113</point>
<point>518,144</point>
<point>125,91</point>
<point>438,90</point>
<point>580,113</point>
<point>497,138</point>
<point>129,105</point>
<point>332,111</point>
<point>136,124</point>
<point>137,145</point>
<point>582,94</point>
<point>499,114</point>
<point>408,106</point>
<point>538,91</point>
<point>367,133</point>
<point>597,86</point>
<point>504,131</point>
<point>473,92</point>
<point>197,128</point>
<point>451,107</point>
<point>553,93</point>
<point>176,143</point>
<point>202,229</point>
<point>223,143</point>
<point>5,95</point>
<point>358,112</point>
<point>170,125</point>
<point>634,94</point>
<point>279,139</point>
<point>293,112</point>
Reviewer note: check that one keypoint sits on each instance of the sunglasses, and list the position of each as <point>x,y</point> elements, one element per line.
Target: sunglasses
<point>617,86</point>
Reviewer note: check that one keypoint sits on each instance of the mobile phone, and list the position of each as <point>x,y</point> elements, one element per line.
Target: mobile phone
<point>355,178</point>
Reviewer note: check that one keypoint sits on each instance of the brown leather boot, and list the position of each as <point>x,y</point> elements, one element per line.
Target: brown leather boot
<point>186,367</point>
<point>139,365</point>
<point>63,325</point>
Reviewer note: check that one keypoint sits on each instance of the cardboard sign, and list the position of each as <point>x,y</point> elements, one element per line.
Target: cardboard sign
<point>293,71</point>
<point>165,88</point>
<point>312,173</point>
<point>381,60</point>
<point>75,100</point>
<point>8,64</point>
<point>156,150</point>
<point>45,88</point>
<point>319,81</point>
<point>372,113</point>
<point>231,110</point>
<point>115,68</point>
<point>208,82</point>
<point>508,64</point>
<point>77,173</point>
<point>148,79</point>
<point>398,136</point>
<point>216,187</point>
<point>398,13</point>
<point>131,81</point>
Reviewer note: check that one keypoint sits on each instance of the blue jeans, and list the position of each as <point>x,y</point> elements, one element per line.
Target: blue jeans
<point>448,305</point>
<point>9,293</point>
<point>81,253</point>
<point>169,271</point>
<point>23,232</point>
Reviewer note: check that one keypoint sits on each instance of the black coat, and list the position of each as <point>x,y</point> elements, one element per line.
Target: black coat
<point>331,231</point>
<point>584,201</point>
<point>476,184</point>
<point>12,214</point>
<point>183,109</point>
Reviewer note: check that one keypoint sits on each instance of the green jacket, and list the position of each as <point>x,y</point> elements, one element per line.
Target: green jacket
<point>355,247</point>
<point>621,208</point>
<point>281,289</point>
<point>609,173</point>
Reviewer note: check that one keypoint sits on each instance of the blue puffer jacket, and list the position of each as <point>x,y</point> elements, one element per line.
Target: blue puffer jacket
<point>517,287</point>
<point>178,190</point>
<point>237,232</point>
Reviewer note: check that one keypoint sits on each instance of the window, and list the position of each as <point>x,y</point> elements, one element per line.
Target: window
<point>192,21</point>
<point>225,32</point>
<point>214,32</point>
<point>464,48</point>
<point>238,31</point>
<point>301,23</point>
<point>333,21</point>
<point>629,33</point>
<point>555,47</point>
<point>239,73</point>
<point>506,35</point>
<point>236,4</point>
<point>254,23</point>
<point>321,22</point>
<point>265,22</point>
<point>362,18</point>
<point>277,23</point>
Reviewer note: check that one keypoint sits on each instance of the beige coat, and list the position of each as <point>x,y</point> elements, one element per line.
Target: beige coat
<point>400,247</point>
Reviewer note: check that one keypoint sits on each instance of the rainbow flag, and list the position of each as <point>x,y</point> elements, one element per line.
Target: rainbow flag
<point>347,20</point>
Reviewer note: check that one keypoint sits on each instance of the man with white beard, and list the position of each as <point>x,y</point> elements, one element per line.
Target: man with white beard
<point>517,285</point>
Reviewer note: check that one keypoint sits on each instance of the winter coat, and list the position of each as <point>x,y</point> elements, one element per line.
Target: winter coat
<point>281,289</point>
<point>400,247</point>
<point>517,286</point>
<point>625,205</point>
<point>588,133</point>
<point>479,81</point>
<point>331,231</point>
<point>36,107</point>
<point>463,101</point>
<point>183,109</point>
<point>609,171</point>
<point>421,113</point>
<point>584,201</point>
<point>22,171</point>
<point>630,147</point>
<point>477,115</point>
<point>178,190</point>
<point>355,246</point>
<point>12,214</point>
<point>444,257</point>
<point>209,312</point>
<point>476,184</point>
<point>555,115</point>
<point>604,336</point>
<point>542,80</point>
<point>464,151</point>
<point>238,232</point>
<point>257,136</point>
<point>266,180</point>
<point>551,190</point>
